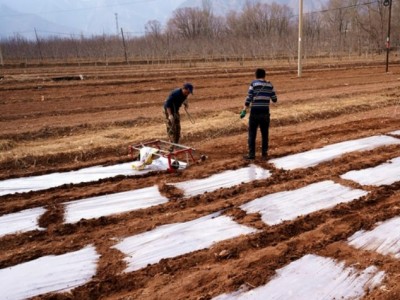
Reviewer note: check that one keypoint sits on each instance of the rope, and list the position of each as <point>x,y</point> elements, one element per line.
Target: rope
<point>210,137</point>
<point>189,116</point>
<point>229,125</point>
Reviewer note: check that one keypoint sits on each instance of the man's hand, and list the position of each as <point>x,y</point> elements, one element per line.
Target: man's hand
<point>171,118</point>
<point>242,113</point>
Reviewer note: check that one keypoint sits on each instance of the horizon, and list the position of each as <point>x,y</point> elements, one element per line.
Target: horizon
<point>90,18</point>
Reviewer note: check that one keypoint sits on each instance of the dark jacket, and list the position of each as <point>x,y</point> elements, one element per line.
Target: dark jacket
<point>175,100</point>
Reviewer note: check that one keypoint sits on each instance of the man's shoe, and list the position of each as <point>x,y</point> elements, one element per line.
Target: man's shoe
<point>264,157</point>
<point>249,157</point>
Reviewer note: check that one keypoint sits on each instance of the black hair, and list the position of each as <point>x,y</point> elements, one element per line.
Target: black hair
<point>260,73</point>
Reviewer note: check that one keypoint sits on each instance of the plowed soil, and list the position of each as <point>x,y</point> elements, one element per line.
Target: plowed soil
<point>48,126</point>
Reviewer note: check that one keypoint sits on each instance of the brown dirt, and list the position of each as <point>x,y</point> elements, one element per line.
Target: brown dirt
<point>48,126</point>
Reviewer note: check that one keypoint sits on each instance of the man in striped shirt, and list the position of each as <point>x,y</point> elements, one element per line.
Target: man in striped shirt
<point>260,93</point>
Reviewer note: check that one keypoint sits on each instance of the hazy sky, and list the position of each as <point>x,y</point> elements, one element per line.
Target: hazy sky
<point>94,17</point>
<point>81,16</point>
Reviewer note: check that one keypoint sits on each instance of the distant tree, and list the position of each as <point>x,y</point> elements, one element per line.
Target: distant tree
<point>266,27</point>
<point>191,23</point>
<point>312,33</point>
<point>372,19</point>
<point>259,30</point>
<point>337,21</point>
<point>153,28</point>
<point>154,37</point>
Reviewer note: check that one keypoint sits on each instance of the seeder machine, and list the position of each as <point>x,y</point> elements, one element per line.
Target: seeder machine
<point>173,153</point>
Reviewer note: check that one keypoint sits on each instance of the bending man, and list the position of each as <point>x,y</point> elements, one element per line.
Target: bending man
<point>171,109</point>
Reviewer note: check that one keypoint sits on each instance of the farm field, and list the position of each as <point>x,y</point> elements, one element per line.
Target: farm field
<point>201,233</point>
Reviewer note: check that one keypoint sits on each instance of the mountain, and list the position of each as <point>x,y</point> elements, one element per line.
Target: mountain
<point>64,18</point>
<point>14,23</point>
<point>87,17</point>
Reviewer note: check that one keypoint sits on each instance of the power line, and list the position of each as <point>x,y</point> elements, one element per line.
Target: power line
<point>345,7</point>
<point>349,6</point>
<point>72,34</point>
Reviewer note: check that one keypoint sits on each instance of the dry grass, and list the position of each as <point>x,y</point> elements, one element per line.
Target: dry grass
<point>207,127</point>
<point>119,137</point>
<point>6,145</point>
<point>299,112</point>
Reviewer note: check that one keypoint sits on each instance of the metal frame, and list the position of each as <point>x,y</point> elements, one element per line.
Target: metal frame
<point>171,151</point>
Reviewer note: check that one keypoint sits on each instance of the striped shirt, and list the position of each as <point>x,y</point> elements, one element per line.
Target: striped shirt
<point>259,95</point>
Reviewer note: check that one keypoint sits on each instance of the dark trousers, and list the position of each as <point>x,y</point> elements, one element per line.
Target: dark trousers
<point>173,128</point>
<point>255,121</point>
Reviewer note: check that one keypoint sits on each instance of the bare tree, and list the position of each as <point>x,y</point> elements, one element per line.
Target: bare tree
<point>153,28</point>
<point>260,30</point>
<point>192,23</point>
<point>337,21</point>
<point>312,33</point>
<point>372,19</point>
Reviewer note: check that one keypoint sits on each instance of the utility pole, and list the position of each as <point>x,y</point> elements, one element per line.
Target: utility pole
<point>38,43</point>
<point>123,42</point>
<point>1,57</point>
<point>116,22</point>
<point>388,3</point>
<point>299,50</point>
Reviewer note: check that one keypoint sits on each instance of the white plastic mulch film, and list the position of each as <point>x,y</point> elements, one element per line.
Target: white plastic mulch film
<point>106,205</point>
<point>288,205</point>
<point>225,179</point>
<point>43,182</point>
<point>53,273</point>
<point>317,156</point>
<point>383,174</point>
<point>21,221</point>
<point>397,132</point>
<point>314,277</point>
<point>384,238</point>
<point>176,239</point>
<point>311,277</point>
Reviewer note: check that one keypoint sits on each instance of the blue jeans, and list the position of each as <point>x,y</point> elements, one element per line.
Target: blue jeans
<point>255,121</point>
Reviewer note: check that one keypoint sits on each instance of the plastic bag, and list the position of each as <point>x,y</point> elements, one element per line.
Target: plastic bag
<point>146,155</point>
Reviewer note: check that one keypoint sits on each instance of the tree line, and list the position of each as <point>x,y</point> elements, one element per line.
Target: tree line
<point>342,27</point>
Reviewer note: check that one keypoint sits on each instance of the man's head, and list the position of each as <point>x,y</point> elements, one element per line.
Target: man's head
<point>260,73</point>
<point>187,88</point>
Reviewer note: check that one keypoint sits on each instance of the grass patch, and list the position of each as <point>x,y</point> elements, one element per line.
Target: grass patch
<point>6,145</point>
